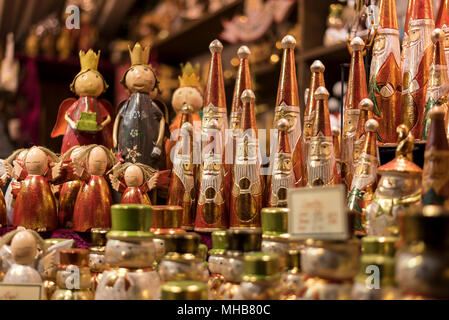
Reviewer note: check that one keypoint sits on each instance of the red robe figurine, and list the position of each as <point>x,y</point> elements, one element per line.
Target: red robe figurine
<point>87,120</point>
<point>134,180</point>
<point>35,206</point>
<point>93,203</point>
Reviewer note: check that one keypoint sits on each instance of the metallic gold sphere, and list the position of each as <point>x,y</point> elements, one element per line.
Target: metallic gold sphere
<point>371,125</point>
<point>215,46</point>
<point>248,96</point>
<point>283,124</point>
<point>243,52</point>
<point>437,35</point>
<point>186,109</point>
<point>437,113</point>
<point>288,42</point>
<point>321,93</point>
<point>366,104</point>
<point>213,124</point>
<point>317,66</point>
<point>357,44</point>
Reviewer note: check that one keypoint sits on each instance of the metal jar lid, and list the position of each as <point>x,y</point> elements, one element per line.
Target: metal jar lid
<point>184,290</point>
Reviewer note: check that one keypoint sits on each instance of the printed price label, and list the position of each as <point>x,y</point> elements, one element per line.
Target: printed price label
<point>318,213</point>
<point>21,291</point>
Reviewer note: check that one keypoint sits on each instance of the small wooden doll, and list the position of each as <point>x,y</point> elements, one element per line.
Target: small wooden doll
<point>89,119</point>
<point>134,180</point>
<point>93,203</point>
<point>16,158</point>
<point>69,190</point>
<point>139,129</point>
<point>35,205</point>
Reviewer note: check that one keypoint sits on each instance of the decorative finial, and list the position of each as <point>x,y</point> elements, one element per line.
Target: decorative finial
<point>288,42</point>
<point>321,93</point>
<point>283,124</point>
<point>243,52</point>
<point>317,66</point>
<point>248,96</point>
<point>357,44</point>
<point>437,112</point>
<point>371,125</point>
<point>366,104</point>
<point>215,46</point>
<point>437,35</point>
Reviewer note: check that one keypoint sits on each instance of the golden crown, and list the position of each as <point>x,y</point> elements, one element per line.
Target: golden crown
<point>139,55</point>
<point>89,60</point>
<point>190,75</point>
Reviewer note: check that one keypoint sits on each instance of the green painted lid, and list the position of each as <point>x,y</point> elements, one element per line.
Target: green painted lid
<point>131,217</point>
<point>186,242</point>
<point>274,220</point>
<point>53,241</point>
<point>184,290</point>
<point>244,240</point>
<point>384,246</point>
<point>384,266</point>
<point>202,251</point>
<point>260,265</point>
<point>219,239</point>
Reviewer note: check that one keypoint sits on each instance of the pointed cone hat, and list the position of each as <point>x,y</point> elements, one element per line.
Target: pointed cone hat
<point>288,86</point>
<point>387,15</point>
<point>322,123</point>
<point>283,144</point>
<point>357,87</point>
<point>242,80</point>
<point>215,91</point>
<point>443,15</point>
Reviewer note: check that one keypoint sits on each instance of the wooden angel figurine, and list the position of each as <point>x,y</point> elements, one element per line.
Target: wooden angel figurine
<point>134,180</point>
<point>87,120</point>
<point>35,205</point>
<point>139,128</point>
<point>93,203</point>
<point>17,159</point>
<point>69,190</point>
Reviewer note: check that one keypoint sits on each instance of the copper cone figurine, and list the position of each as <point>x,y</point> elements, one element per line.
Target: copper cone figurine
<point>438,88</point>
<point>398,189</point>
<point>321,164</point>
<point>182,184</point>
<point>417,55</point>
<point>435,182</point>
<point>282,177</point>
<point>385,74</point>
<point>357,90</point>
<point>366,113</point>
<point>247,183</point>
<point>287,106</point>
<point>442,22</point>
<point>365,177</point>
<point>316,80</point>
<point>211,211</point>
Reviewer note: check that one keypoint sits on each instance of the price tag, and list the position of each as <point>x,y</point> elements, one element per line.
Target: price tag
<point>21,291</point>
<point>318,213</point>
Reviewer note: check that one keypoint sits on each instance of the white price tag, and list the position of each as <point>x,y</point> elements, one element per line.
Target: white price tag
<point>21,291</point>
<point>318,213</point>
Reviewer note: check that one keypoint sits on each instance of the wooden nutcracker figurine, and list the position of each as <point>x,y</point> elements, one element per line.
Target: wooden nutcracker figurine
<point>247,182</point>
<point>242,83</point>
<point>287,106</point>
<point>435,181</point>
<point>69,191</point>
<point>321,164</point>
<point>87,120</point>
<point>94,200</point>
<point>183,187</point>
<point>316,80</point>
<point>442,22</point>
<point>438,87</point>
<point>35,205</point>
<point>365,177</point>
<point>134,180</point>
<point>357,90</point>
<point>417,54</point>
<point>282,177</point>
<point>139,128</point>
<point>385,74</point>
<point>211,211</point>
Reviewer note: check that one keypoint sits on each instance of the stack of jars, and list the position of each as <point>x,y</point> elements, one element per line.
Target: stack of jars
<point>97,259</point>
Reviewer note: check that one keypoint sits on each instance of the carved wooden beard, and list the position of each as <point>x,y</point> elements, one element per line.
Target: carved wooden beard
<point>186,176</point>
<point>365,172</point>
<point>391,45</point>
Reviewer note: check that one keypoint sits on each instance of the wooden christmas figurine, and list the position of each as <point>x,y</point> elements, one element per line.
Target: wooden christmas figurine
<point>134,180</point>
<point>94,200</point>
<point>88,119</point>
<point>35,205</point>
<point>139,128</point>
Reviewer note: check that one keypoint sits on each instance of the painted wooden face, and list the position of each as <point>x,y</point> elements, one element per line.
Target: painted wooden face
<point>187,95</point>
<point>89,84</point>
<point>23,248</point>
<point>36,162</point>
<point>133,176</point>
<point>140,79</point>
<point>97,162</point>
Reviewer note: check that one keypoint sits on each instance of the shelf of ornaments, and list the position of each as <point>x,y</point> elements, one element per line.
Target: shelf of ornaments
<point>197,34</point>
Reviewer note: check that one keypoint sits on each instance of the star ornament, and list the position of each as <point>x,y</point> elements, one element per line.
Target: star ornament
<point>133,153</point>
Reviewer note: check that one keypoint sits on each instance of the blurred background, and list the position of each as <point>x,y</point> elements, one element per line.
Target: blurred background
<point>40,55</point>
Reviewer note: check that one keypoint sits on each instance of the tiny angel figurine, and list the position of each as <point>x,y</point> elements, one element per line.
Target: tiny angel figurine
<point>19,156</point>
<point>69,190</point>
<point>93,203</point>
<point>87,120</point>
<point>35,205</point>
<point>23,251</point>
<point>134,180</point>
